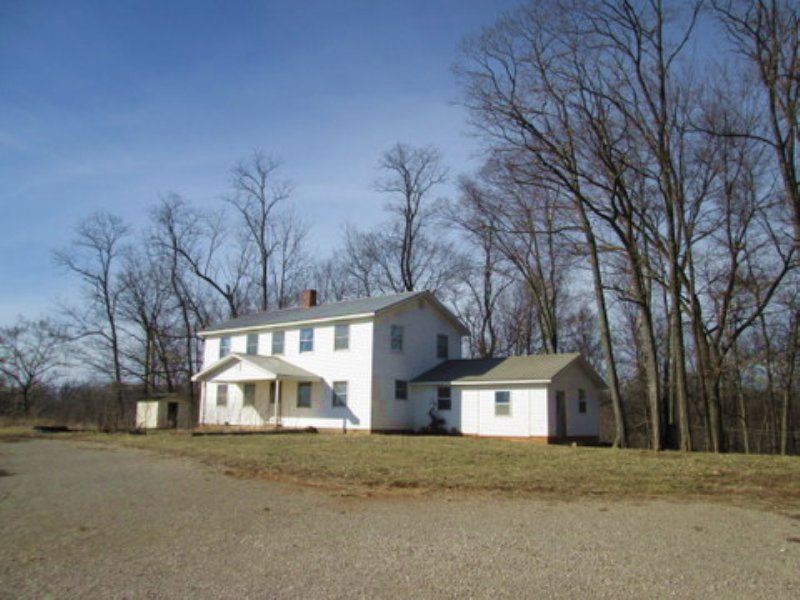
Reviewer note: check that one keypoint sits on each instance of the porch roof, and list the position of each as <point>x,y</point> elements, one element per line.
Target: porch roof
<point>259,368</point>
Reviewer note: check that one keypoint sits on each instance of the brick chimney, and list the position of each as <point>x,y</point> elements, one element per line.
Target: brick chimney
<point>308,299</point>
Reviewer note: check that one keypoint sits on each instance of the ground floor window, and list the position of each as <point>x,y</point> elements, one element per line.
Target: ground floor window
<point>502,404</point>
<point>582,401</point>
<point>443,398</point>
<point>222,394</point>
<point>400,389</point>
<point>249,394</point>
<point>304,395</point>
<point>339,397</point>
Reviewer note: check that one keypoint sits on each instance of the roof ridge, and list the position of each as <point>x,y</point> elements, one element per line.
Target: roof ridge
<point>367,305</point>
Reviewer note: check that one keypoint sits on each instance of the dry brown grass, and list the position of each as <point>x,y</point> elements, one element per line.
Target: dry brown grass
<point>382,464</point>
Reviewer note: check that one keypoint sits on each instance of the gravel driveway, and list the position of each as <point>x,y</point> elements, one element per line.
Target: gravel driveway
<point>83,522</point>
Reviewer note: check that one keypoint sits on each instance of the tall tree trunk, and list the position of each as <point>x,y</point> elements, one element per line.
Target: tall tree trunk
<point>620,427</point>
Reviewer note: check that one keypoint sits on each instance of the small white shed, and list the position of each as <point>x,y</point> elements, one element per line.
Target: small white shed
<point>165,412</point>
<point>549,398</point>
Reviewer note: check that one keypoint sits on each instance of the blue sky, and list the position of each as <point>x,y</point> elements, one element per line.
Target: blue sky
<point>107,105</point>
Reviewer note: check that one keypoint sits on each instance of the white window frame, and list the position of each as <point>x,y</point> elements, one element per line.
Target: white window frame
<point>442,350</point>
<point>396,338</point>
<point>224,346</point>
<point>341,336</point>
<point>252,344</point>
<point>398,385</point>
<point>249,389</point>
<point>306,340</point>
<point>305,385</point>
<point>278,347</point>
<point>442,397</point>
<point>222,394</point>
<point>339,391</point>
<point>502,403</point>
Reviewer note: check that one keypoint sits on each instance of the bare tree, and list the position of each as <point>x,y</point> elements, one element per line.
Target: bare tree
<point>767,33</point>
<point>411,175</point>
<point>198,241</point>
<point>30,356</point>
<point>403,254</point>
<point>256,194</point>
<point>289,266</point>
<point>94,256</point>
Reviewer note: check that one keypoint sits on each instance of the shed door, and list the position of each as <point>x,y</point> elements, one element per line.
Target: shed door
<point>172,415</point>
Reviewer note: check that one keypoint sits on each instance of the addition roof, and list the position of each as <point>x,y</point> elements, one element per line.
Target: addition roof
<point>540,368</point>
<point>361,307</point>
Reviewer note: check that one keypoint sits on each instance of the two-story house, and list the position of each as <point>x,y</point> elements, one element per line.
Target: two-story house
<point>380,364</point>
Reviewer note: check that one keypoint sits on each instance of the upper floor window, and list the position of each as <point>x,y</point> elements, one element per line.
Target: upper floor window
<point>341,337</point>
<point>400,389</point>
<point>443,398</point>
<point>222,394</point>
<point>442,346</point>
<point>307,339</point>
<point>304,395</point>
<point>224,346</point>
<point>502,404</point>
<point>339,397</point>
<point>582,401</point>
<point>397,338</point>
<point>249,394</point>
<point>277,341</point>
<point>252,343</point>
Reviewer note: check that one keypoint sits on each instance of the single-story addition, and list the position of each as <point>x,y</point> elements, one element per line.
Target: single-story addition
<point>388,363</point>
<point>550,397</point>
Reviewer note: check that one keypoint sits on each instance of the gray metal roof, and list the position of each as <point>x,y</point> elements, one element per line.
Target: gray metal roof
<point>323,311</point>
<point>541,367</point>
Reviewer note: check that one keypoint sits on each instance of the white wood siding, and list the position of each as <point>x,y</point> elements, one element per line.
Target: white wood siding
<point>570,380</point>
<point>351,365</point>
<point>473,410</point>
<point>421,322</point>
<point>146,414</point>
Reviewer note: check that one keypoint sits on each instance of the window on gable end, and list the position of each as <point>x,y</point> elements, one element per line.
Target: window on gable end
<point>397,338</point>
<point>442,346</point>
<point>582,401</point>
<point>400,389</point>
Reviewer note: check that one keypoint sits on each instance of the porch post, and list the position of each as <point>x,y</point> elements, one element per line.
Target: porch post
<point>202,404</point>
<point>277,400</point>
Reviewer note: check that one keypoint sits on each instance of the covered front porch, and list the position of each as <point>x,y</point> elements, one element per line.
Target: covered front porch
<point>252,391</point>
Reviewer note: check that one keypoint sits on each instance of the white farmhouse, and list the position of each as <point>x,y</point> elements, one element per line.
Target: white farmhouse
<point>390,363</point>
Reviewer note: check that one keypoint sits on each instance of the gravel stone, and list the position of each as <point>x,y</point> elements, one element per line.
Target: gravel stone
<point>87,522</point>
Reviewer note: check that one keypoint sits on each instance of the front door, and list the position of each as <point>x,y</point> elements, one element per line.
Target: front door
<point>561,414</point>
<point>172,415</point>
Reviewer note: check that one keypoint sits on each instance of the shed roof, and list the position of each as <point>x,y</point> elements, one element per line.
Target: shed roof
<point>540,368</point>
<point>362,306</point>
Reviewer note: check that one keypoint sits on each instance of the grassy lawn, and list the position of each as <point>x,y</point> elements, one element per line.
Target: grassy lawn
<point>370,464</point>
